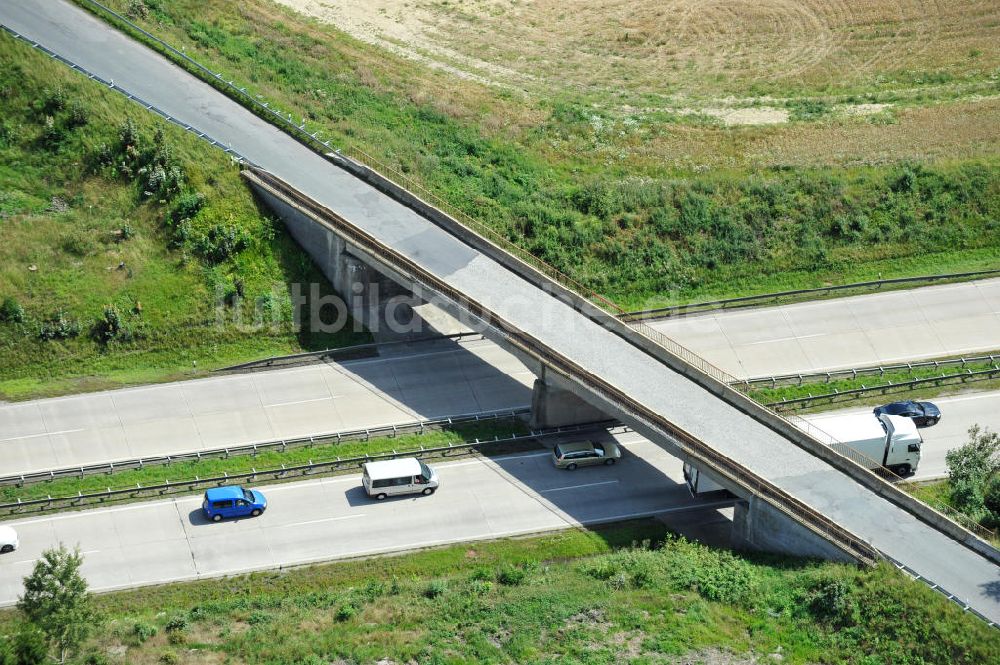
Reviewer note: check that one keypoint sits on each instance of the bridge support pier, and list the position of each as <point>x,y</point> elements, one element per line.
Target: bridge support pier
<point>555,406</point>
<point>760,527</point>
<point>372,299</point>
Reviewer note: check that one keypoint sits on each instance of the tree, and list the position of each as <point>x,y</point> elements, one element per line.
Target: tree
<point>971,470</point>
<point>56,600</point>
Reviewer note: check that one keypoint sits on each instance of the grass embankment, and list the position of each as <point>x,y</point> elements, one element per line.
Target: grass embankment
<point>771,395</point>
<point>571,597</point>
<point>589,194</point>
<point>130,251</point>
<point>272,459</point>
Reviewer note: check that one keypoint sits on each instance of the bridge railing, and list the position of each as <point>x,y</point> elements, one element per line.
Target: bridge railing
<point>312,140</point>
<point>700,454</point>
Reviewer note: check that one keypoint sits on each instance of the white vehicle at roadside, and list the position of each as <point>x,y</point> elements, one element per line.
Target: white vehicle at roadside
<point>399,476</point>
<point>8,539</point>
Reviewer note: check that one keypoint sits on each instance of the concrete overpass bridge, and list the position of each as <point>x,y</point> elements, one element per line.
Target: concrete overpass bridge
<point>798,494</point>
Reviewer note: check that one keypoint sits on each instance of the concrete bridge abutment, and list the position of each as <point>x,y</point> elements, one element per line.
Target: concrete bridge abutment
<point>760,527</point>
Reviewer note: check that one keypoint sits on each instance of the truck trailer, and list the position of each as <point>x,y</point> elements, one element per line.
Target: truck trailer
<point>889,441</point>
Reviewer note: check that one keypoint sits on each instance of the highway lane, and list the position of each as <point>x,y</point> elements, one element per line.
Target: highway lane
<point>872,329</point>
<point>186,416</point>
<point>959,413</point>
<point>553,326</point>
<point>475,376</point>
<point>331,518</point>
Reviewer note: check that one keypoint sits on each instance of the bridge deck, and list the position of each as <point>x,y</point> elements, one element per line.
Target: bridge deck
<point>91,44</point>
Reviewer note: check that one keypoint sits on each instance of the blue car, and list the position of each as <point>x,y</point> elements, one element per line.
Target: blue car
<point>232,501</point>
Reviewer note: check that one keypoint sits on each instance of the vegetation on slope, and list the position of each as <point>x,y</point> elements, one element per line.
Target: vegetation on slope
<point>130,251</point>
<point>581,189</point>
<point>627,593</point>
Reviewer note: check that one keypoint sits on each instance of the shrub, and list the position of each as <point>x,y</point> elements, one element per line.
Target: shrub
<point>31,647</point>
<point>177,623</point>
<point>833,601</point>
<point>972,470</point>
<point>126,232</point>
<point>510,575</point>
<point>128,134</point>
<point>136,9</point>
<point>11,311</point>
<point>78,115</point>
<point>169,658</point>
<point>53,100</point>
<point>186,206</point>
<point>435,588</point>
<point>52,134</point>
<point>110,326</point>
<point>59,326</point>
<point>221,242</point>
<point>143,631</point>
<point>346,612</point>
<point>258,618</point>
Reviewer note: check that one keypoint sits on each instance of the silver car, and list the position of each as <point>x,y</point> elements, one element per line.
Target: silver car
<point>585,453</point>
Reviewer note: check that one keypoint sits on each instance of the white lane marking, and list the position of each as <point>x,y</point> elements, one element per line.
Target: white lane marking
<point>787,339</point>
<point>575,487</point>
<point>324,519</point>
<point>35,436</point>
<point>949,400</point>
<point>301,401</point>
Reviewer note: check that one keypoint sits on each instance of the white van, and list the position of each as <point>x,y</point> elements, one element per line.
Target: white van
<point>398,476</point>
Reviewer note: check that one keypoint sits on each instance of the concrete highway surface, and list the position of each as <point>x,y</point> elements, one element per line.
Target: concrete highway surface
<point>330,518</point>
<point>959,413</point>
<point>230,410</point>
<point>553,327</point>
<point>859,331</point>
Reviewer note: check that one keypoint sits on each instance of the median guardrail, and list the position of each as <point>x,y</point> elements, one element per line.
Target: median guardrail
<point>776,380</point>
<point>284,472</point>
<point>799,294</point>
<point>343,436</point>
<point>701,454</point>
<point>831,397</point>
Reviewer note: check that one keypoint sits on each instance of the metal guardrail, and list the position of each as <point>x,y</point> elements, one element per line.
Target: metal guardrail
<point>962,377</point>
<point>344,436</point>
<point>701,454</point>
<point>138,100</point>
<point>50,503</point>
<point>961,602</point>
<point>771,298</point>
<point>856,372</point>
<point>313,141</point>
<point>888,475</point>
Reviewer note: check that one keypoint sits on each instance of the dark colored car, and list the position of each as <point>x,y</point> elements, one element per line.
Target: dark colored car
<point>924,414</point>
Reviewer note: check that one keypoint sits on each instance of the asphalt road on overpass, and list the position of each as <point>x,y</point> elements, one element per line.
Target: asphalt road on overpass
<point>555,327</point>
<point>332,518</point>
<point>858,331</point>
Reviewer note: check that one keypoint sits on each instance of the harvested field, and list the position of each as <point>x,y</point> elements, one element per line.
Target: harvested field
<point>685,49</point>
